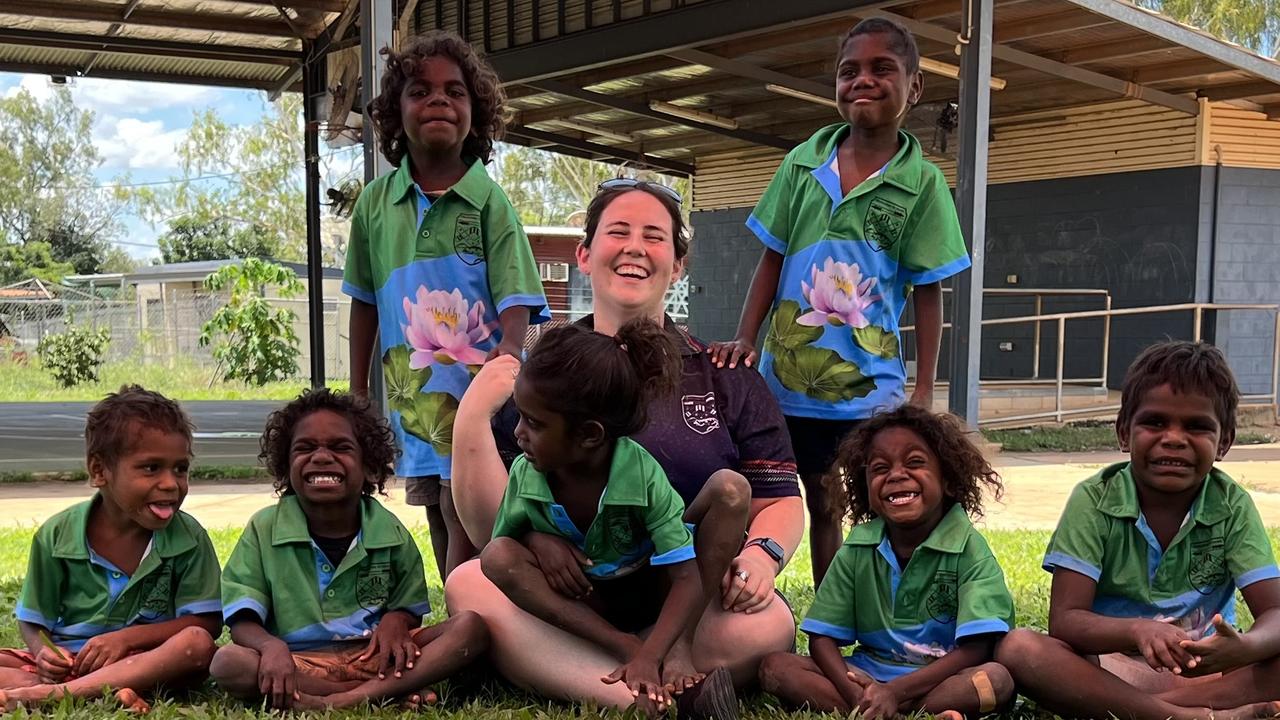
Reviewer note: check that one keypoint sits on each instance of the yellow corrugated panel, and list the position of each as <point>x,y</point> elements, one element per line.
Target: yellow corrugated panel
<point>1247,138</point>
<point>1110,137</point>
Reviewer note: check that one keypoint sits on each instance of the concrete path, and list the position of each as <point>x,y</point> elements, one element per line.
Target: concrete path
<point>1036,488</point>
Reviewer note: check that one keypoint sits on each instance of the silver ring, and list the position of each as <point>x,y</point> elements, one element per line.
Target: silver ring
<point>743,574</point>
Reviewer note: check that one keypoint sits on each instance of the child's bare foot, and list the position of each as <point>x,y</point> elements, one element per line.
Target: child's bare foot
<point>132,702</point>
<point>419,700</point>
<point>1244,712</point>
<point>678,672</point>
<point>949,715</point>
<point>712,699</point>
<point>303,701</point>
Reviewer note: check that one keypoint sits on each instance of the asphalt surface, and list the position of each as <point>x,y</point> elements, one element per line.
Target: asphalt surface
<point>50,436</point>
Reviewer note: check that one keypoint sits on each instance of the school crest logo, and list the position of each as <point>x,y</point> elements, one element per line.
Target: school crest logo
<point>883,224</point>
<point>943,600</point>
<point>1207,570</point>
<point>373,585</point>
<point>623,530</point>
<point>467,244</point>
<point>700,413</point>
<point>157,590</point>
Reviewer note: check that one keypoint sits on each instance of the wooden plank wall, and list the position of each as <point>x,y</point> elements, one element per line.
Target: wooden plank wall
<point>1247,138</point>
<point>1093,140</point>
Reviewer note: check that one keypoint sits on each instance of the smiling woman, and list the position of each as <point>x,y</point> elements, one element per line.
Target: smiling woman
<point>720,441</point>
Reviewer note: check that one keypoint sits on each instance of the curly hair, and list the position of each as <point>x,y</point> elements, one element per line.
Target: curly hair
<point>112,425</point>
<point>1188,367</point>
<point>377,441</point>
<point>964,470</point>
<point>487,97</point>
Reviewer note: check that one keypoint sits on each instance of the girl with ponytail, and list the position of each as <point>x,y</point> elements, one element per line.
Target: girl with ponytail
<point>590,534</point>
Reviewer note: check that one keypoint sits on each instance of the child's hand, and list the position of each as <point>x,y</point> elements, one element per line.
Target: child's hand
<point>276,675</point>
<point>494,384</point>
<point>731,352</point>
<point>392,644</point>
<point>513,347</point>
<point>642,678</point>
<point>101,651</point>
<point>54,667</point>
<point>1159,642</point>
<point>1223,651</point>
<point>561,562</point>
<point>878,699</point>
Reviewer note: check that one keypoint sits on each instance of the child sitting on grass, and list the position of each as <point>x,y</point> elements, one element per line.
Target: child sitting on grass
<point>121,590</point>
<point>1146,561</point>
<point>325,591</point>
<point>589,518</point>
<point>914,585</point>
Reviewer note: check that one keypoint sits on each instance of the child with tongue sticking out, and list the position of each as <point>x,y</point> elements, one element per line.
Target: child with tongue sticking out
<point>122,575</point>
<point>325,592</point>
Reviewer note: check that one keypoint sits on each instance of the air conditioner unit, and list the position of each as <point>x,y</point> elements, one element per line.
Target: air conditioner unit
<point>553,271</point>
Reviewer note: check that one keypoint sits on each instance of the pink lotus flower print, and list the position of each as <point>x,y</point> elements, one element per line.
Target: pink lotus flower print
<point>442,331</point>
<point>838,295</point>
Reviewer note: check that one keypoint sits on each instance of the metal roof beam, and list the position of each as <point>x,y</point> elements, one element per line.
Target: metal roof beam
<point>1181,70</point>
<point>605,150</point>
<point>1045,25</point>
<point>1112,50</point>
<point>141,46</point>
<point>216,22</point>
<point>1240,90</point>
<point>1174,32</point>
<point>322,5</point>
<point>1055,68</point>
<point>754,72</point>
<point>638,108</point>
<point>662,32</point>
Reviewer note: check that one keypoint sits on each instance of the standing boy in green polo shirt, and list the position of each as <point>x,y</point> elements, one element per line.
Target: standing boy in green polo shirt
<point>915,585</point>
<point>123,575</point>
<point>854,221</point>
<point>438,263</point>
<point>325,591</point>
<point>1146,561</point>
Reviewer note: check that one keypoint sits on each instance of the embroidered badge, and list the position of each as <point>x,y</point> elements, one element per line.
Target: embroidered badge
<point>373,585</point>
<point>622,530</point>
<point>943,600</point>
<point>467,244</point>
<point>883,224</point>
<point>157,590</point>
<point>700,413</point>
<point>1207,570</point>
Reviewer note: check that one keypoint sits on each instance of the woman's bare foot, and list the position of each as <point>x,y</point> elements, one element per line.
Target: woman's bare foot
<point>132,702</point>
<point>678,672</point>
<point>29,696</point>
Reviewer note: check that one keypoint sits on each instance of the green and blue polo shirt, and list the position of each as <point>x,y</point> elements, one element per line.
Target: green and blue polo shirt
<point>833,347</point>
<point>440,273</point>
<point>905,618</point>
<point>1221,546</point>
<point>77,594</point>
<point>640,517</point>
<point>279,575</point>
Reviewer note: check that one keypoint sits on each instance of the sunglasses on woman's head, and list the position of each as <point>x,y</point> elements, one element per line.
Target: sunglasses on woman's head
<point>631,183</point>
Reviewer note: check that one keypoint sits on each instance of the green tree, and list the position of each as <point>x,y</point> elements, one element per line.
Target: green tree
<point>259,183</point>
<point>48,191</point>
<point>548,188</point>
<point>190,240</point>
<point>22,261</point>
<point>1252,23</point>
<point>252,340</point>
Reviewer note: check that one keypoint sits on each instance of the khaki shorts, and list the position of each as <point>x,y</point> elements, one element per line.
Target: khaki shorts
<point>423,490</point>
<point>340,663</point>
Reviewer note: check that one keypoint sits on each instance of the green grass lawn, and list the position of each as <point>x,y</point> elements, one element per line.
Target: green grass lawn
<point>1019,553</point>
<point>1081,437</point>
<point>185,380</point>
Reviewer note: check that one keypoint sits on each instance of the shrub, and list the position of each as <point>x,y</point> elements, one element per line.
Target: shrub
<point>74,356</point>
<point>255,341</point>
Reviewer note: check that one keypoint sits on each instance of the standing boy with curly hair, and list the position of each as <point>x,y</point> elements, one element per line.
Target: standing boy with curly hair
<point>325,591</point>
<point>438,262</point>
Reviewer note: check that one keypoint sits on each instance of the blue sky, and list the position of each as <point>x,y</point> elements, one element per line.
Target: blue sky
<point>137,126</point>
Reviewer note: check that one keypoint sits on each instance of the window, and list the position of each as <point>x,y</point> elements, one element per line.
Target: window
<point>553,272</point>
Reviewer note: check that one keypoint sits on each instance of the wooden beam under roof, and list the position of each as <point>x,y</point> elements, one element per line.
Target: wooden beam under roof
<point>1238,91</point>
<point>71,71</point>
<point>321,5</point>
<point>1046,25</point>
<point>1111,50</point>
<point>175,19</point>
<point>123,45</point>
<point>1111,84</point>
<point>1180,70</point>
<point>600,149</point>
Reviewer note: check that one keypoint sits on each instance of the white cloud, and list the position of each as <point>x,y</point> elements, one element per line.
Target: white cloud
<point>133,144</point>
<point>118,97</point>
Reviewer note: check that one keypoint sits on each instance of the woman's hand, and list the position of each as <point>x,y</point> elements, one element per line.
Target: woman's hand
<point>748,585</point>
<point>494,384</point>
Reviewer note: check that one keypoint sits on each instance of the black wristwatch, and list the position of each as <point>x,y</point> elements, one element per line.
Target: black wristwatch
<point>770,547</point>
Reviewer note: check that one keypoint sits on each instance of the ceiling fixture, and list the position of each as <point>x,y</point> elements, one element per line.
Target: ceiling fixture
<point>800,95</point>
<point>596,130</point>
<point>937,67</point>
<point>694,115</point>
